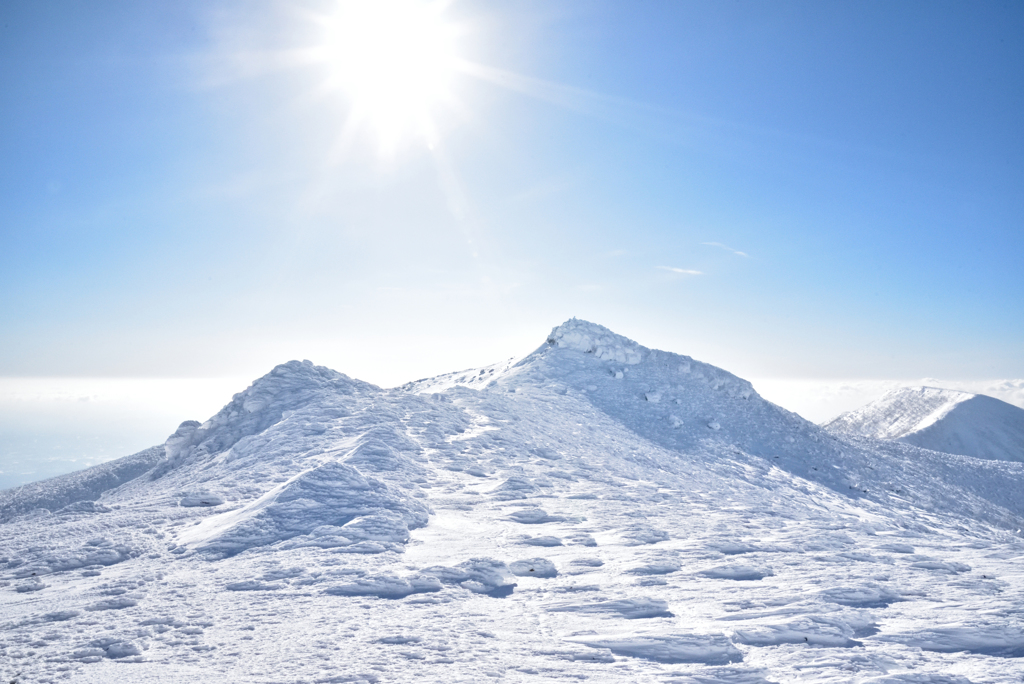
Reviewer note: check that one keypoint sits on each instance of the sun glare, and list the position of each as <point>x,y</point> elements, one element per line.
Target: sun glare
<point>394,61</point>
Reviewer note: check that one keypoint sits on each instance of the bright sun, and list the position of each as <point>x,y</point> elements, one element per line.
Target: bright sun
<point>394,60</point>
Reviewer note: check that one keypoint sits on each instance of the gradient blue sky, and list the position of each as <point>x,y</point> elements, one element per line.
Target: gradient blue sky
<point>846,177</point>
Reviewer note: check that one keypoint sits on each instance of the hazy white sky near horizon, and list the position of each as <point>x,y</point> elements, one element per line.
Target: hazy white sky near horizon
<point>792,190</point>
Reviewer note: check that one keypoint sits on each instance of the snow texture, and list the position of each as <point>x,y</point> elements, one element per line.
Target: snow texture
<point>595,511</point>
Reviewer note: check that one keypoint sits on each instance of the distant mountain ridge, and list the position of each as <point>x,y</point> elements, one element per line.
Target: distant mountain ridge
<point>944,420</point>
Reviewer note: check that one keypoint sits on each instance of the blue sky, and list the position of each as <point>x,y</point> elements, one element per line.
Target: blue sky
<point>845,178</point>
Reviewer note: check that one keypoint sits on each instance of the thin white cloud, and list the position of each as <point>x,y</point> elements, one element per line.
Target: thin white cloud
<point>726,248</point>
<point>680,271</point>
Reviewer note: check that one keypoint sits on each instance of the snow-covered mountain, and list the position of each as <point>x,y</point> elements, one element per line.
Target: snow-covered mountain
<point>942,420</point>
<point>596,511</point>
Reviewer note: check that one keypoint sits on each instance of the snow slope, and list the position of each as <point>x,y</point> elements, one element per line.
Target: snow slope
<point>942,420</point>
<point>596,511</point>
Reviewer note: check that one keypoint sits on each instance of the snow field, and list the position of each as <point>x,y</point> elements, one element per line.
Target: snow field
<point>553,523</point>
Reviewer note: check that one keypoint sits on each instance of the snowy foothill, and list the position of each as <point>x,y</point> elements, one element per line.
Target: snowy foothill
<point>595,511</point>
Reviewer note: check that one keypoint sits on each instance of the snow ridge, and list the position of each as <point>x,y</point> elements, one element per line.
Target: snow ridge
<point>944,420</point>
<point>57,493</point>
<point>900,412</point>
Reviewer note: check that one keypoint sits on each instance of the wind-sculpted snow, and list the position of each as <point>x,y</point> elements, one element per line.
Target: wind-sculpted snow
<point>594,339</point>
<point>597,511</point>
<point>941,420</point>
<point>331,504</point>
<point>479,575</point>
<point>708,649</point>
<point>631,609</point>
<point>388,587</point>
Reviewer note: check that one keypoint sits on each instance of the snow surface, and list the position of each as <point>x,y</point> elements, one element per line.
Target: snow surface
<point>942,420</point>
<point>543,520</point>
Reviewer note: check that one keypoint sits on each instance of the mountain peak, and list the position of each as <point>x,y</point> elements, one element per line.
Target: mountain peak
<point>900,412</point>
<point>591,338</point>
<point>288,388</point>
<point>940,419</point>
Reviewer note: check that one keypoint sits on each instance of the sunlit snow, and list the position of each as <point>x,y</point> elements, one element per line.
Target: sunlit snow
<point>597,511</point>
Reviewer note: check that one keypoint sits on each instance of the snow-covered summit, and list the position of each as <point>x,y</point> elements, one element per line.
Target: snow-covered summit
<point>901,412</point>
<point>591,338</point>
<point>289,386</point>
<point>945,420</point>
<point>286,389</point>
<point>575,335</point>
<point>669,398</point>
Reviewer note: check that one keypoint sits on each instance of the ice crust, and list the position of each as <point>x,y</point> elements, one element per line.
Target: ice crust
<point>594,511</point>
